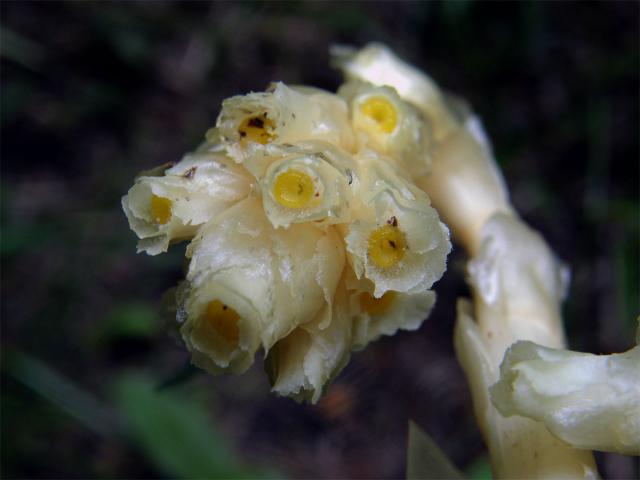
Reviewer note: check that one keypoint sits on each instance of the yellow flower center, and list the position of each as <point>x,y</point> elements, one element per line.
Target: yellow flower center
<point>258,128</point>
<point>382,112</point>
<point>387,246</point>
<point>160,209</point>
<point>224,320</point>
<point>376,306</point>
<point>293,189</point>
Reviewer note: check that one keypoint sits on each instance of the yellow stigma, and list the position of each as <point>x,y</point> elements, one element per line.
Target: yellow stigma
<point>293,189</point>
<point>376,306</point>
<point>386,246</point>
<point>160,209</point>
<point>224,320</point>
<point>382,112</point>
<point>257,128</point>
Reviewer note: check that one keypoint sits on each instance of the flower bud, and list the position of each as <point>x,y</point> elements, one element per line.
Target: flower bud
<point>171,206</point>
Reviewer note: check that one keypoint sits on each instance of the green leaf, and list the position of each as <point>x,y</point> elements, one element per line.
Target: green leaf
<point>480,469</point>
<point>175,433</point>
<point>425,460</point>
<point>132,319</point>
<point>178,377</point>
<point>20,49</point>
<point>60,391</point>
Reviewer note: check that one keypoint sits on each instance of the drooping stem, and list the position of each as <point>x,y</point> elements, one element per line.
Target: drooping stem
<point>516,281</point>
<point>517,288</point>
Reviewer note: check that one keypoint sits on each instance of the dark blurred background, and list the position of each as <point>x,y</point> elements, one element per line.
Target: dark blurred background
<point>94,382</point>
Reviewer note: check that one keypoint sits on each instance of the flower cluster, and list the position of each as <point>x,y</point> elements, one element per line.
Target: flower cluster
<point>309,238</point>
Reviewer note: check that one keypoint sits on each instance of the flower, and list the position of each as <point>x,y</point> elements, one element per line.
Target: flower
<point>396,240</point>
<point>311,181</point>
<point>389,125</point>
<point>309,238</point>
<point>374,317</point>
<point>465,183</point>
<point>173,205</point>
<point>378,65</point>
<point>282,115</point>
<point>275,279</point>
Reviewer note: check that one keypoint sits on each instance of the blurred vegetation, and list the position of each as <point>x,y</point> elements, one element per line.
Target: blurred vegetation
<point>93,92</point>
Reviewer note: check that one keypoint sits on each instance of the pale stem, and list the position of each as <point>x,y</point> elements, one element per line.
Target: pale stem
<point>513,300</point>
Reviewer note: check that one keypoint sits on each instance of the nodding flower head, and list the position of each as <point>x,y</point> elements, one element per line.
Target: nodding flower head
<point>308,237</point>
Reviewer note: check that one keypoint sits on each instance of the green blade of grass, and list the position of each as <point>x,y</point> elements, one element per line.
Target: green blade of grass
<point>425,460</point>
<point>175,433</point>
<point>78,403</point>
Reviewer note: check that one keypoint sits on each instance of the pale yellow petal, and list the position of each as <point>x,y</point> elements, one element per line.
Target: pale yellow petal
<point>171,207</point>
<point>390,125</point>
<point>374,317</point>
<point>311,181</point>
<point>397,241</point>
<point>279,272</point>
<point>282,115</point>
<point>305,361</point>
<point>378,65</point>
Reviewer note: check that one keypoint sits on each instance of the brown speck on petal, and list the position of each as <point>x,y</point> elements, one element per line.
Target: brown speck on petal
<point>190,173</point>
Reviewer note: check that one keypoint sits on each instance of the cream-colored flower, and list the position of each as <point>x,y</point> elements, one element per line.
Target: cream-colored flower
<point>374,317</point>
<point>311,181</point>
<point>286,182</point>
<point>377,64</point>
<point>301,364</point>
<point>281,115</point>
<point>396,240</point>
<point>390,125</point>
<point>219,325</point>
<point>172,206</point>
<point>274,279</point>
<point>589,401</point>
